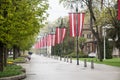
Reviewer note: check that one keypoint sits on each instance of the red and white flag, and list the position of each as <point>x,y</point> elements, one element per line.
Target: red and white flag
<point>36,45</point>
<point>49,40</point>
<point>39,44</point>
<point>76,18</point>
<point>53,40</point>
<point>44,41</point>
<point>118,10</point>
<point>63,32</point>
<point>57,35</point>
<point>60,35</point>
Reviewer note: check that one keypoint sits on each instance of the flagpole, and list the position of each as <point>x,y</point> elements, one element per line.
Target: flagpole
<point>77,31</point>
<point>52,48</point>
<point>46,44</point>
<point>61,22</point>
<point>76,22</point>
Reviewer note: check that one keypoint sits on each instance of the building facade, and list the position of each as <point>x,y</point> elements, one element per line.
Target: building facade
<point>90,44</point>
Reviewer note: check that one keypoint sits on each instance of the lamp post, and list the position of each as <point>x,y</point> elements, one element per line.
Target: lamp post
<point>52,41</point>
<point>77,31</point>
<point>76,23</point>
<point>76,12</point>
<point>104,35</point>
<point>46,43</point>
<point>60,26</point>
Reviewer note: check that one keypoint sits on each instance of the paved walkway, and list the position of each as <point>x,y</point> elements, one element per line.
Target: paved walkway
<point>42,68</point>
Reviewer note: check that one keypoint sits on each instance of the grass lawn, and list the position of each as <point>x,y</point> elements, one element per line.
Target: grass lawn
<point>111,62</point>
<point>12,69</point>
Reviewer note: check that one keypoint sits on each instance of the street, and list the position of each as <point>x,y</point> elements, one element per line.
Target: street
<point>43,68</point>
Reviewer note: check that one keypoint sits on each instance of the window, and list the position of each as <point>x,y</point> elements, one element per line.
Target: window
<point>89,36</point>
<point>82,35</point>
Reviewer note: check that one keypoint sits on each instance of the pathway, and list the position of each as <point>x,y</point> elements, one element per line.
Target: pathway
<point>43,68</point>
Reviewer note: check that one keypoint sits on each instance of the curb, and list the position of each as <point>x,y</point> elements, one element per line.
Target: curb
<point>17,77</point>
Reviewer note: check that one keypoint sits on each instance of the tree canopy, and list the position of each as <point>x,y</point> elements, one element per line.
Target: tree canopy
<point>21,20</point>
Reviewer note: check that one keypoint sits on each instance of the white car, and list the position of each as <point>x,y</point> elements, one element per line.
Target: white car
<point>92,54</point>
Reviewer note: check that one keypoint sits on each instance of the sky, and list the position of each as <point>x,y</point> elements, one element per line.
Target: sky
<point>56,10</point>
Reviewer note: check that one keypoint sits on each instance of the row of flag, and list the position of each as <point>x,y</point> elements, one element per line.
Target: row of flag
<point>76,21</point>
<point>51,39</point>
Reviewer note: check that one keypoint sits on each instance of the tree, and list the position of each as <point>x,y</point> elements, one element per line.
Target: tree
<point>82,40</point>
<point>101,14</point>
<point>95,28</point>
<point>114,31</point>
<point>20,22</point>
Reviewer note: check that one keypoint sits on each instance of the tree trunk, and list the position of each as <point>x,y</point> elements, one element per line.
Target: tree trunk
<point>23,52</point>
<point>14,52</point>
<point>95,32</point>
<point>119,52</point>
<point>18,50</point>
<point>5,56</point>
<point>1,57</point>
<point>100,51</point>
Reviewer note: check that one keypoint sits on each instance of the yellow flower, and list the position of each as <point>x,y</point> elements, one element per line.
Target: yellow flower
<point>10,62</point>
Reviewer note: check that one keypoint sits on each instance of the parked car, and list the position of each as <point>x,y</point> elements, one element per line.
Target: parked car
<point>92,55</point>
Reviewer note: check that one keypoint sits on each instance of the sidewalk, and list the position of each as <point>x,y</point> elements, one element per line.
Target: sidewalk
<point>42,68</point>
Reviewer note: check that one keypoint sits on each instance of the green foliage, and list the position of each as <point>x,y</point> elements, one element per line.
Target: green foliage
<point>19,59</point>
<point>111,62</point>
<point>11,70</point>
<point>21,20</point>
<point>109,49</point>
<point>81,55</point>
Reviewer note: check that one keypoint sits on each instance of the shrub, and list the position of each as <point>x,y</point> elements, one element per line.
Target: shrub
<point>81,55</point>
<point>11,70</point>
<point>19,59</point>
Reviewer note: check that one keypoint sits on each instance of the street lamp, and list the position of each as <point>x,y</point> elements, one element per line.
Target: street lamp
<point>104,35</point>
<point>60,26</point>
<point>77,32</point>
<point>76,23</point>
<point>52,41</point>
<point>45,36</point>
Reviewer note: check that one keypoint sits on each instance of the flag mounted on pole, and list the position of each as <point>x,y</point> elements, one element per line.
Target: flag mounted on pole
<point>53,40</point>
<point>60,34</point>
<point>49,40</point>
<point>63,32</point>
<point>57,35</point>
<point>73,25</point>
<point>118,10</point>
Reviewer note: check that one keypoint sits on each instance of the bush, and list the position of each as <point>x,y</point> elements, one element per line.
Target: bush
<point>11,70</point>
<point>19,59</point>
<point>81,55</point>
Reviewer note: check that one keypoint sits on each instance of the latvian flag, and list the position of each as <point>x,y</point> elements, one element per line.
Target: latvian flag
<point>63,32</point>
<point>53,40</point>
<point>76,18</point>
<point>59,35</point>
<point>49,40</point>
<point>118,9</point>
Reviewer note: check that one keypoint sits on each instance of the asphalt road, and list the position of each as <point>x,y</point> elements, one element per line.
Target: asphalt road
<point>43,68</point>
